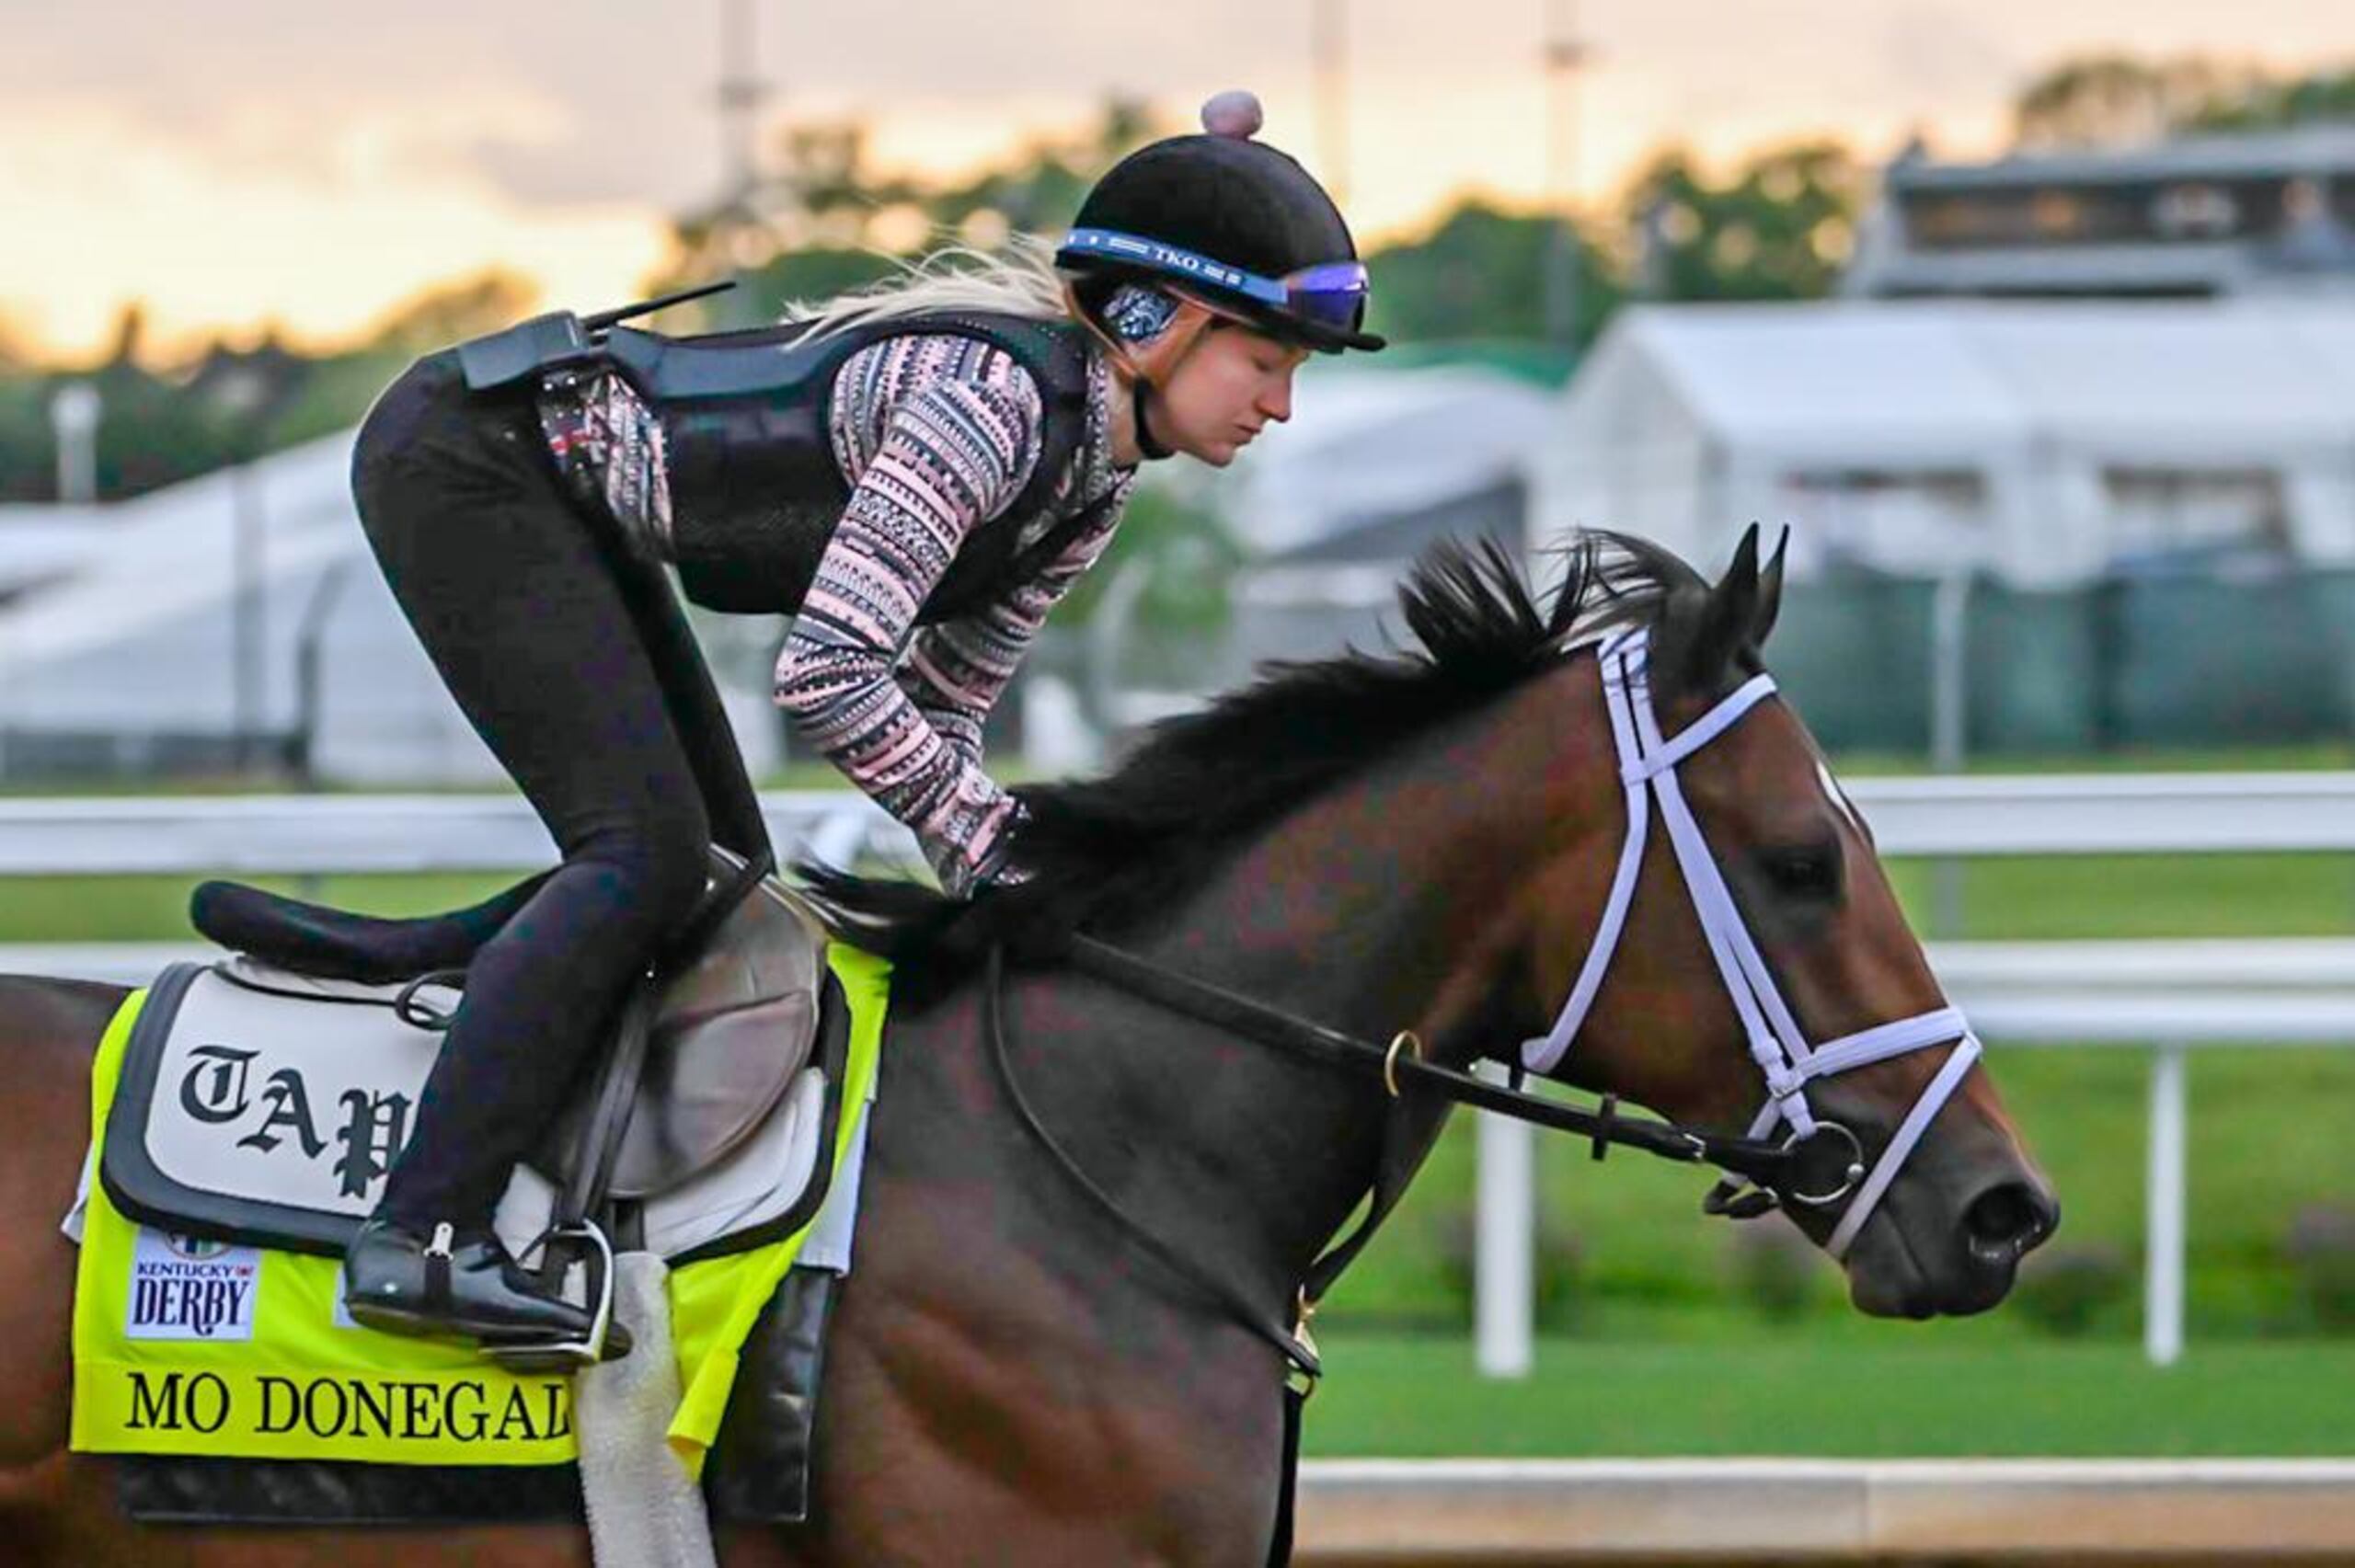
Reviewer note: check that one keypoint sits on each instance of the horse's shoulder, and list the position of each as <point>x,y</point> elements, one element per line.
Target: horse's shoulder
<point>37,1010</point>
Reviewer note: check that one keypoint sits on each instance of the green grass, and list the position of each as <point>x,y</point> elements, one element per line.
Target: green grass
<point>2050,898</point>
<point>1903,1391</point>
<point>2287,757</point>
<point>1625,1249</point>
<point>154,909</point>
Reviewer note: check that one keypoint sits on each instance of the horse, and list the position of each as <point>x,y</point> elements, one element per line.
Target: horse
<point>1085,1206</point>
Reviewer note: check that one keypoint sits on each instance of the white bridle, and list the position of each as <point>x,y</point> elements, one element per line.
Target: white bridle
<point>1647,768</point>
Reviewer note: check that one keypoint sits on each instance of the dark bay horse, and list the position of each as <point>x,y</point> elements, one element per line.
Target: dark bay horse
<point>1423,840</point>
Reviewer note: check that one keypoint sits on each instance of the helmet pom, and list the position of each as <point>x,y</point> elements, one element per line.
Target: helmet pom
<point>1235,112</point>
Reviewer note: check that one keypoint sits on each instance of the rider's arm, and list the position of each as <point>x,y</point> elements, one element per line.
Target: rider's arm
<point>958,669</point>
<point>944,461</point>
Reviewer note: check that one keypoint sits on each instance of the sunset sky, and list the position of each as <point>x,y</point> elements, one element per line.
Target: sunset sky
<point>246,162</point>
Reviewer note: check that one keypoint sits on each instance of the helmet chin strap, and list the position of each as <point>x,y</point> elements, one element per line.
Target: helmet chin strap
<point>1139,390</point>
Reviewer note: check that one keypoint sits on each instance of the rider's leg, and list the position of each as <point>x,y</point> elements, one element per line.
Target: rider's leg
<point>693,700</point>
<point>521,616</point>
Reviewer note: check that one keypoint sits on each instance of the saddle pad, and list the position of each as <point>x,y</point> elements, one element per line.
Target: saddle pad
<point>224,1348</point>
<point>263,1106</point>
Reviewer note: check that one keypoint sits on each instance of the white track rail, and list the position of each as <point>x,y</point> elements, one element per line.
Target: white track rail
<point>1472,1512</point>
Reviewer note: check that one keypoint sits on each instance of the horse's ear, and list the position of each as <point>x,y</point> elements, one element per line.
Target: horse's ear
<point>1770,594</point>
<point>1724,626</point>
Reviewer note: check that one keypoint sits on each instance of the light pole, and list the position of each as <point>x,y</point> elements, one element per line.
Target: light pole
<point>243,396</point>
<point>742,93</point>
<point>73,415</point>
<point>1565,53</point>
<point>1329,21</point>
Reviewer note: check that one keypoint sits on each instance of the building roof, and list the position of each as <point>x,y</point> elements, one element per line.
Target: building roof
<point>171,552</point>
<point>41,543</point>
<point>2179,267</point>
<point>2305,149</point>
<point>1914,383</point>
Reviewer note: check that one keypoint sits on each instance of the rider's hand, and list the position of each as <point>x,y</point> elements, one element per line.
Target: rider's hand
<point>961,877</point>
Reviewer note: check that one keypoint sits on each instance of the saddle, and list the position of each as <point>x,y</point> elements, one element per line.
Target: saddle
<point>729,1028</point>
<point>263,1097</point>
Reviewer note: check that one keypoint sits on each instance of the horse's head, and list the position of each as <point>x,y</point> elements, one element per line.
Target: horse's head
<point>1755,928</point>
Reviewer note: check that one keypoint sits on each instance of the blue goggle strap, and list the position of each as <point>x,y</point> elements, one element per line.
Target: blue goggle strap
<point>1340,280</point>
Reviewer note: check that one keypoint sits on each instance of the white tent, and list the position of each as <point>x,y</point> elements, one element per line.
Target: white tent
<point>39,544</point>
<point>140,635</point>
<point>1369,442</point>
<point>2040,441</point>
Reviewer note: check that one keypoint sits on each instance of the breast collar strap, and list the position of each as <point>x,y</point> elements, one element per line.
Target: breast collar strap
<point>1647,763</point>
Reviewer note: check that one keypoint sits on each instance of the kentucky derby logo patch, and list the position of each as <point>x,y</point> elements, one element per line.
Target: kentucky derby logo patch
<point>186,1289</point>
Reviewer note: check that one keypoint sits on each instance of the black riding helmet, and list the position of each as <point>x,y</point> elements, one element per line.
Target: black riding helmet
<point>1233,222</point>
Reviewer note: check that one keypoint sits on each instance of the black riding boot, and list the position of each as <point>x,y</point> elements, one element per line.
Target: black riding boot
<point>463,1285</point>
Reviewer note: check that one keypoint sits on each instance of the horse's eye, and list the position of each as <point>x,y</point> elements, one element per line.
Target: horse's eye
<point>1806,871</point>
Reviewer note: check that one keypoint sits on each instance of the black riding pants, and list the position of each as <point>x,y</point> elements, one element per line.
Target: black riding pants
<point>576,666</point>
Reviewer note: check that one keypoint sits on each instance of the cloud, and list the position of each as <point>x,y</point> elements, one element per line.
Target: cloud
<point>1945,57</point>
<point>316,238</point>
<point>239,157</point>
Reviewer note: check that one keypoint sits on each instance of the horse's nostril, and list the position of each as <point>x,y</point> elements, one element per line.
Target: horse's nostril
<point>2006,1221</point>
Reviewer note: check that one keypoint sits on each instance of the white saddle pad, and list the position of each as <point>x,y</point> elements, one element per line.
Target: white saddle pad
<point>270,1104</point>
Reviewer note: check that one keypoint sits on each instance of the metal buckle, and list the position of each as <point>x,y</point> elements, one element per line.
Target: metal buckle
<point>414,1010</point>
<point>1404,1041</point>
<point>1302,1311</point>
<point>1852,1172</point>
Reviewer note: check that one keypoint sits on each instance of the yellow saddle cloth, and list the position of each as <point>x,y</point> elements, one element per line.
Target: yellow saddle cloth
<point>196,1346</point>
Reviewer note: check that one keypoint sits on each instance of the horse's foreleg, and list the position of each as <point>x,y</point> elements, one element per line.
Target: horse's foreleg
<point>48,1030</point>
<point>981,1408</point>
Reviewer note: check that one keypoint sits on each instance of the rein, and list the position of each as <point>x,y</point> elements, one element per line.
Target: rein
<point>1401,1064</point>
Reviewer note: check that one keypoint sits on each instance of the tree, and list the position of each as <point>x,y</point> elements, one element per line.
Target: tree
<point>1188,557</point>
<point>1041,187</point>
<point>442,314</point>
<point>2111,100</point>
<point>15,352</point>
<point>1780,229</point>
<point>826,220</point>
<point>2268,103</point>
<point>1481,273</point>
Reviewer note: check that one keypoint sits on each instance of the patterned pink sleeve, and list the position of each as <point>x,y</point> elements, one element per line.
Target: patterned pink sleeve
<point>959,669</point>
<point>939,435</point>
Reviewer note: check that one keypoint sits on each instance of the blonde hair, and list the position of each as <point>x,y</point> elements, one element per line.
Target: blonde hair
<point>1020,281</point>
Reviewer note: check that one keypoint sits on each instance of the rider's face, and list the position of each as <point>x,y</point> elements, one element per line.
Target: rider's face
<point>1229,385</point>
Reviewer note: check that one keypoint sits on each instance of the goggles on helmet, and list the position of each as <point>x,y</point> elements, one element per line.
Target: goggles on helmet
<point>1330,294</point>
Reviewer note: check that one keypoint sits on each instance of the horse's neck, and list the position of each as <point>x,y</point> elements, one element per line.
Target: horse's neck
<point>1375,910</point>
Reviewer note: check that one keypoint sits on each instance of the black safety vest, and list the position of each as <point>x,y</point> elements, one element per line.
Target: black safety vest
<point>756,491</point>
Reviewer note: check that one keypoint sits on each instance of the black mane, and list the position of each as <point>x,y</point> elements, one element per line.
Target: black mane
<point>1103,852</point>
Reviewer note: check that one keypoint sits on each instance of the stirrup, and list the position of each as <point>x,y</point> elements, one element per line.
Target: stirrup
<point>563,1355</point>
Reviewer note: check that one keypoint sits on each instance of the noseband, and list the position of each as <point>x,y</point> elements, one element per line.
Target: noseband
<point>1647,763</point>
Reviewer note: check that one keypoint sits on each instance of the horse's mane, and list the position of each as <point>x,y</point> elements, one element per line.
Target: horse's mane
<point>1104,852</point>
